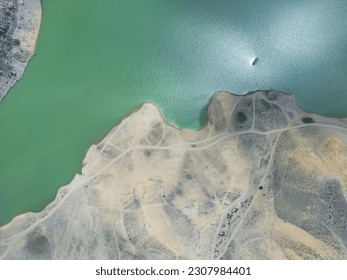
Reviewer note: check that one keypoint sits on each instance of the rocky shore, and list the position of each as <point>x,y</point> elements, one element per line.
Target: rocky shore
<point>19,28</point>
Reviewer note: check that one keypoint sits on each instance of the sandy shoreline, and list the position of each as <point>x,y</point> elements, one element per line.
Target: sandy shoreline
<point>20,40</point>
<point>254,183</point>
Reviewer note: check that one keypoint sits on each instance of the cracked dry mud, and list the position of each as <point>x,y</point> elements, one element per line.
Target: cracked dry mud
<point>262,180</point>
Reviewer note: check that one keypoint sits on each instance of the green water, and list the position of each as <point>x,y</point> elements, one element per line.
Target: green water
<point>98,60</point>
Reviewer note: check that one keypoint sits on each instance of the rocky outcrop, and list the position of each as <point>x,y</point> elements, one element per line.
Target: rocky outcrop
<point>262,180</point>
<point>19,27</point>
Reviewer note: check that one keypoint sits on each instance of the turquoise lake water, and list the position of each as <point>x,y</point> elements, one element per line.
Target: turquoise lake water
<point>96,61</point>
